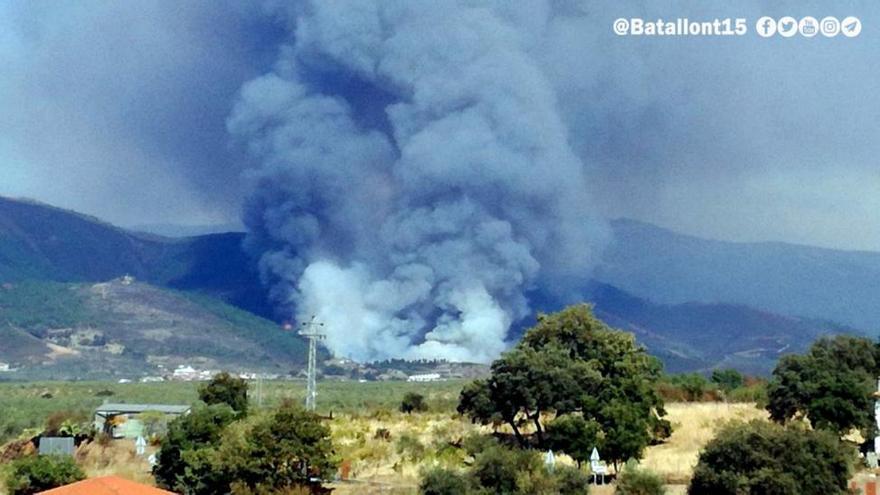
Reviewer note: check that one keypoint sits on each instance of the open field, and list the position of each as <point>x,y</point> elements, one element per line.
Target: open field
<point>27,405</point>
<point>361,414</point>
<point>392,467</point>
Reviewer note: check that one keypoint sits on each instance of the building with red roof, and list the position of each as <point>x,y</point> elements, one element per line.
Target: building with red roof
<point>106,485</point>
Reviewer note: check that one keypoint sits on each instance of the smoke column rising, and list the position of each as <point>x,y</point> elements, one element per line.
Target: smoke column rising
<point>415,178</point>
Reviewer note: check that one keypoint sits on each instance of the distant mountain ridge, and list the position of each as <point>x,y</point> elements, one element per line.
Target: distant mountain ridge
<point>43,242</point>
<point>702,336</point>
<point>695,303</point>
<point>665,267</point>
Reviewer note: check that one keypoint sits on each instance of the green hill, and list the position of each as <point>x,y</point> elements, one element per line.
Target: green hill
<point>42,242</point>
<point>131,329</point>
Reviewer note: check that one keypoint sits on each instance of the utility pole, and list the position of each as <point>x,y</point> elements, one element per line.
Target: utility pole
<point>311,330</point>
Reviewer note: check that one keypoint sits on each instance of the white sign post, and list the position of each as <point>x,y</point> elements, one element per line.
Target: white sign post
<point>550,461</point>
<point>597,467</point>
<point>140,445</point>
<point>877,418</point>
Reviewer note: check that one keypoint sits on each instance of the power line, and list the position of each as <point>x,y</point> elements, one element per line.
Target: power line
<point>311,330</point>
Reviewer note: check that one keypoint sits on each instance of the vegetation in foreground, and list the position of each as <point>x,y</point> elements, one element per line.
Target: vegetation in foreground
<point>577,384</point>
<point>517,414</point>
<point>761,457</point>
<point>37,473</point>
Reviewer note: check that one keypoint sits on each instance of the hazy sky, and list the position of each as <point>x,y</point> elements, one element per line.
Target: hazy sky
<point>119,110</point>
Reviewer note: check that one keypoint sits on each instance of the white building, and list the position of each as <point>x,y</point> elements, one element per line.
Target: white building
<point>427,377</point>
<point>184,372</point>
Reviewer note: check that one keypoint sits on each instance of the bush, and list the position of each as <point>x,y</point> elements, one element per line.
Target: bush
<point>636,481</point>
<point>476,443</point>
<point>413,402</point>
<point>35,474</point>
<point>178,467</point>
<point>572,481</point>
<point>281,450</point>
<point>410,448</point>
<point>226,389</point>
<point>727,379</point>
<point>65,424</point>
<point>498,469</point>
<point>439,481</point>
<point>762,457</point>
<point>208,451</point>
<point>755,392</point>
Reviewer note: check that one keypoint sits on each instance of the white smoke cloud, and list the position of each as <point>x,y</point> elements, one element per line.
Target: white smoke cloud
<point>417,229</point>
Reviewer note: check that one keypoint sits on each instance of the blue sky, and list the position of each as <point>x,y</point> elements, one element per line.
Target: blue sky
<point>119,110</point>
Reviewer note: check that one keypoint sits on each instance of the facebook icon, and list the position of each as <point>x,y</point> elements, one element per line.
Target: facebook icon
<point>766,27</point>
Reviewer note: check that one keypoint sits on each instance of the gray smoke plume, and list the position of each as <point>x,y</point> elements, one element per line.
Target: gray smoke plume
<point>415,177</point>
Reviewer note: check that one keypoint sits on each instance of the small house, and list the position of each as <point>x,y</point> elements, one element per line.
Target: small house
<point>134,420</point>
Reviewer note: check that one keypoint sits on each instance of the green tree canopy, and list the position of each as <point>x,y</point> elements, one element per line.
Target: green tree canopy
<point>572,363</point>
<point>575,436</point>
<point>179,466</point>
<point>831,385</point>
<point>727,379</point>
<point>226,389</point>
<point>33,474</point>
<point>280,450</point>
<point>765,458</point>
<point>209,451</point>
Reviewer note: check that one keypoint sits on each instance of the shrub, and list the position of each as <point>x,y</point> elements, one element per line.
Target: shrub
<point>754,392</point>
<point>410,448</point>
<point>382,434</point>
<point>727,379</point>
<point>475,443</point>
<point>571,481</point>
<point>440,481</point>
<point>498,468</point>
<point>65,423</point>
<point>636,481</point>
<point>226,389</point>
<point>762,457</point>
<point>39,473</point>
<point>281,450</point>
<point>178,466</point>
<point>413,402</point>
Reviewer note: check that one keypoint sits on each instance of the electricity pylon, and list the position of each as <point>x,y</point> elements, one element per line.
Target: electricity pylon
<point>311,330</point>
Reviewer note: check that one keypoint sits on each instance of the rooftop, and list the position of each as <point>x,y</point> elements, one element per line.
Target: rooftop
<point>138,408</point>
<point>106,485</point>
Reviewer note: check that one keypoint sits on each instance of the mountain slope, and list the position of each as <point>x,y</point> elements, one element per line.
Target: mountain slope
<point>95,330</point>
<point>47,243</point>
<point>702,336</point>
<point>666,267</point>
<point>696,303</point>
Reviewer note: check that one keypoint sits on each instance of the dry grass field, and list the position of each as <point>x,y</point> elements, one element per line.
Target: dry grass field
<point>693,424</point>
<point>384,466</point>
<point>389,463</point>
